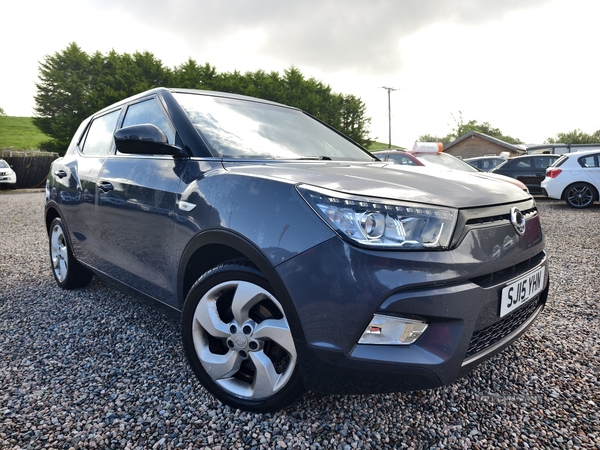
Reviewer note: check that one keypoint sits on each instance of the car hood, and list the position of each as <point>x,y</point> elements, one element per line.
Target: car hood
<point>409,183</point>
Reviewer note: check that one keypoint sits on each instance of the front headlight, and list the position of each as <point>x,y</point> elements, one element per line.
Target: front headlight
<point>383,223</point>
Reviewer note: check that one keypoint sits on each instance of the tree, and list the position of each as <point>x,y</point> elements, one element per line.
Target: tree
<point>461,128</point>
<point>190,75</point>
<point>575,137</point>
<point>62,94</point>
<point>432,138</point>
<point>2,113</point>
<point>74,85</point>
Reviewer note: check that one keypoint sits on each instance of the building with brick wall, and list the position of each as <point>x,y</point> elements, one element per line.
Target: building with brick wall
<point>474,144</point>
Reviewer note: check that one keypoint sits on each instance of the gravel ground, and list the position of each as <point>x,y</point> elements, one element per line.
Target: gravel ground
<point>95,368</point>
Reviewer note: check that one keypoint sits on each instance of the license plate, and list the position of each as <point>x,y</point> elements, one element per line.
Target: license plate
<point>521,291</point>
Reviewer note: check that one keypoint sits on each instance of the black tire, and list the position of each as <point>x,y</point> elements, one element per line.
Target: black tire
<point>580,195</point>
<point>67,271</point>
<point>238,341</point>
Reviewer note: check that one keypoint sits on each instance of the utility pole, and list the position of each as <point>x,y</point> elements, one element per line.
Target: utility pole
<point>389,89</point>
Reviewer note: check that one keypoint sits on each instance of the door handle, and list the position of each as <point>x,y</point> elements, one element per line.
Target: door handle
<point>60,173</point>
<point>105,186</point>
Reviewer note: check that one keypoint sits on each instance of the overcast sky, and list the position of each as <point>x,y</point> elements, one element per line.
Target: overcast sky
<point>528,67</point>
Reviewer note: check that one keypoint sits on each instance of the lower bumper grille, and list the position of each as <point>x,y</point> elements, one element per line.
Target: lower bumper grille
<point>488,336</point>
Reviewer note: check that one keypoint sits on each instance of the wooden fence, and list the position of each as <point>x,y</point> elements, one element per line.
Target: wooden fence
<point>31,167</point>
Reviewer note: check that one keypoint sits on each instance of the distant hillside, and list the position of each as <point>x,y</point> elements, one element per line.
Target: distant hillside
<point>19,133</point>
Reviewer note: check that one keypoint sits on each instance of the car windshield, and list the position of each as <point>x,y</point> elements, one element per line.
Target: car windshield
<point>238,128</point>
<point>447,161</point>
<point>3,164</point>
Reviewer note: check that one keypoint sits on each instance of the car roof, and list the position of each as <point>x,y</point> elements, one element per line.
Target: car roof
<point>163,90</point>
<point>479,158</point>
<point>534,155</point>
<point>581,153</point>
<point>383,152</point>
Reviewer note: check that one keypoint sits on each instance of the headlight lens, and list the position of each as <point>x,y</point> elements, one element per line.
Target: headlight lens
<point>383,223</point>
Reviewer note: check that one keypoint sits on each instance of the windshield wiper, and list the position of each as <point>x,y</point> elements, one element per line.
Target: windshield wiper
<point>317,158</point>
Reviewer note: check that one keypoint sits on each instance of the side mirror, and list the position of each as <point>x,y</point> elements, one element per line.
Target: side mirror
<point>145,139</point>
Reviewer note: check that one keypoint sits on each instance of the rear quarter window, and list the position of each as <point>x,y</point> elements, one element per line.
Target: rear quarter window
<point>148,111</point>
<point>99,137</point>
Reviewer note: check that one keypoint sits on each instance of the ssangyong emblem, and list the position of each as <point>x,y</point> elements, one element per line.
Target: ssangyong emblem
<point>517,220</point>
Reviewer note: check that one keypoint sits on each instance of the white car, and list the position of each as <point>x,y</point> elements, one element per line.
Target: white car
<point>574,178</point>
<point>7,175</point>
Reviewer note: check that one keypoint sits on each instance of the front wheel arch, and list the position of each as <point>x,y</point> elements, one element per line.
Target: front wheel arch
<point>213,247</point>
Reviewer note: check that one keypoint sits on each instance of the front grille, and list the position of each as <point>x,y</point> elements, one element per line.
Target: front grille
<point>528,213</point>
<point>482,339</point>
<point>480,218</point>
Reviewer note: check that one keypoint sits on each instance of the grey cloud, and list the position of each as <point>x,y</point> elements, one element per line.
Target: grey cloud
<point>330,34</point>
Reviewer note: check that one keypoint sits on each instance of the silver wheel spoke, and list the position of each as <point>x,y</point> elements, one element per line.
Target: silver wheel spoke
<point>207,316</point>
<point>246,296</point>
<point>265,378</point>
<point>277,331</point>
<point>220,366</point>
<point>62,269</point>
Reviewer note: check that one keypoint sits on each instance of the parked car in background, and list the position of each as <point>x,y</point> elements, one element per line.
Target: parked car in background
<point>485,163</point>
<point>8,177</point>
<point>529,169</point>
<point>294,258</point>
<point>574,178</point>
<point>398,157</point>
<point>430,154</point>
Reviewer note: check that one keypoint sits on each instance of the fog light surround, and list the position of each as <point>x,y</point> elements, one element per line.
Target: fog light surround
<point>390,330</point>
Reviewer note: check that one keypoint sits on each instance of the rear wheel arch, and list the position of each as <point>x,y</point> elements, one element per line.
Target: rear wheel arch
<point>211,248</point>
<point>580,184</point>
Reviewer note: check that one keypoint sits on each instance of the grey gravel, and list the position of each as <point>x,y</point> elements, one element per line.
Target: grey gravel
<point>95,368</point>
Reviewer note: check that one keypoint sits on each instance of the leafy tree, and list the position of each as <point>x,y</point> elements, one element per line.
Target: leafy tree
<point>190,75</point>
<point>575,137</point>
<point>461,128</point>
<point>354,122</point>
<point>432,138</point>
<point>2,113</point>
<point>63,93</point>
<point>73,85</point>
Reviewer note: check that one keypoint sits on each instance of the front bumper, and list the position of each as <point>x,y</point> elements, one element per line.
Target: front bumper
<point>464,331</point>
<point>337,288</point>
<point>8,179</point>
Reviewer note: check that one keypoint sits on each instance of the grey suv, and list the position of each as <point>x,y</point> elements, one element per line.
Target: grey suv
<point>294,258</point>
